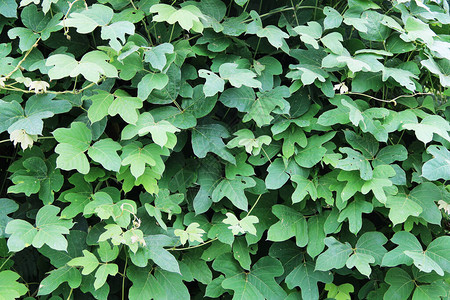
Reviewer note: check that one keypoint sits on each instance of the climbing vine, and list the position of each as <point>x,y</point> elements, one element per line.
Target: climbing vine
<point>244,149</point>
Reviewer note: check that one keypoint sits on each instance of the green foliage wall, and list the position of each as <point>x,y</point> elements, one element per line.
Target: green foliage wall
<point>224,148</point>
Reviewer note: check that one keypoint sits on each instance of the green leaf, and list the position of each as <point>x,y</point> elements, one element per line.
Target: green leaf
<point>401,207</point>
<point>105,152</point>
<point>150,82</point>
<point>9,287</point>
<point>376,31</point>
<point>234,191</point>
<point>56,277</point>
<point>115,33</point>
<point>37,178</point>
<point>355,161</point>
<point>401,284</point>
<point>333,18</point>
<point>49,230</point>
<point>353,212</point>
<point>8,8</point>
<point>314,150</point>
<point>379,182</point>
<point>238,77</point>
<point>137,156</point>
<point>37,108</point>
<point>333,42</point>
<point>76,244</point>
<point>340,292</point>
<point>73,142</point>
<point>156,56</point>
<point>213,84</point>
<point>416,29</point>
<point>310,33</point>
<point>126,106</point>
<point>208,138</point>
<point>418,202</point>
<point>258,283</point>
<point>432,124</point>
<point>265,103</point>
<point>27,37</point>
<point>88,261</point>
<point>160,131</point>
<point>335,257</point>
<point>241,98</point>
<point>306,277</point>
<point>241,167</point>
<point>435,258</point>
<point>144,285</point>
<point>241,253</point>
<point>91,66</point>
<point>371,243</point>
<point>439,166</point>
<point>316,235</point>
<point>154,250</point>
<point>7,206</point>
<point>89,19</point>
<point>405,241</point>
<point>403,77</point>
<point>198,267</point>
<point>291,223</point>
<point>101,101</point>
<point>102,274</point>
<point>304,186</point>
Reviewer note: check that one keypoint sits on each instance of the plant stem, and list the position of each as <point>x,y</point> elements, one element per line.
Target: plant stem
<point>254,204</point>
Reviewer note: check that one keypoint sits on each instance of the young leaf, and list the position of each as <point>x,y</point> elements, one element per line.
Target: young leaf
<point>188,17</point>
<point>241,226</point>
<point>245,138</point>
<point>192,233</point>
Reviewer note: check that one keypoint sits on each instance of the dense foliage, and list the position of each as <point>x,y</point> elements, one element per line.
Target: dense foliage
<point>225,148</point>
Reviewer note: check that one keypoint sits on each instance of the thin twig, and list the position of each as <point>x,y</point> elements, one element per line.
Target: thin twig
<point>192,247</point>
<point>23,58</point>
<point>384,100</point>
